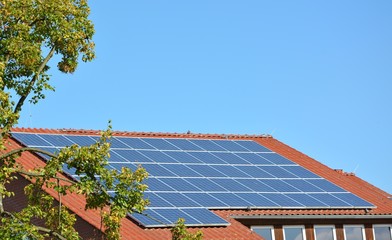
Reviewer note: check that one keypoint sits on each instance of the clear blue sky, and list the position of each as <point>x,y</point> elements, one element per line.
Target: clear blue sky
<point>316,75</point>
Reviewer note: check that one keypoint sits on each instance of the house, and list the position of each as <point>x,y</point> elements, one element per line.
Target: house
<point>228,186</point>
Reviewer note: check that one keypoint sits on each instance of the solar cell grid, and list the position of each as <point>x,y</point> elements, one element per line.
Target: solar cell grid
<point>160,143</point>
<point>204,199</point>
<point>31,139</point>
<point>132,156</point>
<point>257,200</point>
<point>56,140</point>
<point>180,184</point>
<point>182,157</point>
<point>206,157</point>
<point>231,171</point>
<point>181,170</point>
<point>252,146</point>
<point>255,185</point>
<point>255,172</point>
<point>135,143</point>
<point>179,200</point>
<point>204,215</point>
<point>329,200</point>
<point>158,156</point>
<point>230,158</point>
<point>306,200</point>
<point>183,144</point>
<point>188,176</point>
<point>232,200</point>
<point>230,146</point>
<point>207,145</point>
<point>172,215</point>
<point>254,158</point>
<point>275,158</point>
<point>231,185</point>
<point>81,140</point>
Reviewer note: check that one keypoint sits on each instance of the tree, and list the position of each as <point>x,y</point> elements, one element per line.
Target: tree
<point>31,33</point>
<point>180,232</point>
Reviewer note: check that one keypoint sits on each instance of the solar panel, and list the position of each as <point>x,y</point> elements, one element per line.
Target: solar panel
<point>188,177</point>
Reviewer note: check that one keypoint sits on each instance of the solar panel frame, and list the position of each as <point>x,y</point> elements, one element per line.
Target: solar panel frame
<point>192,174</point>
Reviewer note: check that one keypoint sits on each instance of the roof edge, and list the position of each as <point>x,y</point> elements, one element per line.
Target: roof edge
<point>188,134</point>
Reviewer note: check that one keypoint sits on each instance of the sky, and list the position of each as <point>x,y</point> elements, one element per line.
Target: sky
<point>315,75</point>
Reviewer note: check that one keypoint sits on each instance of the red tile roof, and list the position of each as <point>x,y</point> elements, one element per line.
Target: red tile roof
<point>131,230</point>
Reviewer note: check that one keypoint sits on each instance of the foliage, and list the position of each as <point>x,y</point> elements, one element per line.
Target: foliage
<point>32,32</point>
<point>180,232</point>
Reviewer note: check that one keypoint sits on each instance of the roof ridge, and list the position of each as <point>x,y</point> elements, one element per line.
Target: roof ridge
<point>141,134</point>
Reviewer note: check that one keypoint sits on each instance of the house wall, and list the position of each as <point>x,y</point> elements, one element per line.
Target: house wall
<point>19,201</point>
<point>309,224</point>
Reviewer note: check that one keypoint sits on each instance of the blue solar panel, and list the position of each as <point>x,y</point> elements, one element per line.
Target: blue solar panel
<point>231,185</point>
<point>179,184</point>
<point>31,140</point>
<point>255,172</point>
<point>135,143</point>
<point>206,171</point>
<point>232,200</point>
<point>352,199</point>
<point>207,145</point>
<point>150,218</point>
<point>183,144</point>
<point>181,170</point>
<point>160,144</point>
<point>325,185</point>
<point>300,171</point>
<point>178,200</point>
<point>204,199</point>
<point>56,140</point>
<point>279,185</point>
<point>329,200</point>
<point>257,200</point>
<point>206,185</point>
<point>116,143</point>
<point>81,140</point>
<point>156,201</point>
<point>255,185</point>
<point>158,156</point>
<point>182,157</point>
<point>205,216</point>
<point>278,172</point>
<point>253,158</point>
<point>282,200</point>
<point>252,146</point>
<point>302,185</point>
<point>306,200</point>
<point>230,158</point>
<point>50,150</point>
<point>190,176</point>
<point>275,158</point>
<point>206,157</point>
<point>230,171</point>
<point>155,184</point>
<point>230,146</point>
<point>157,170</point>
<point>132,156</point>
<point>172,215</point>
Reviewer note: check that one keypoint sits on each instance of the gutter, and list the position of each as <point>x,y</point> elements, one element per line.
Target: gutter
<point>312,216</point>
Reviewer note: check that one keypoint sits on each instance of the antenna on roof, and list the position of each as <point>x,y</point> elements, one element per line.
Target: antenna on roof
<point>355,169</point>
<point>188,132</point>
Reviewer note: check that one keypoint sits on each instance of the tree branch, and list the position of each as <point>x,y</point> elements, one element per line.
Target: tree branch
<point>19,105</point>
<point>28,149</point>
<point>43,175</point>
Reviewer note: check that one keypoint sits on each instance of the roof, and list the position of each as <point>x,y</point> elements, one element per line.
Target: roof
<point>132,230</point>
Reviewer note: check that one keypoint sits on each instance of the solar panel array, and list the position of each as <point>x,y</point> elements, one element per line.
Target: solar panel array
<point>188,177</point>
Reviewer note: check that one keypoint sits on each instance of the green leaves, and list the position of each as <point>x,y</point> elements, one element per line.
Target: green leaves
<point>180,232</point>
<point>31,32</point>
